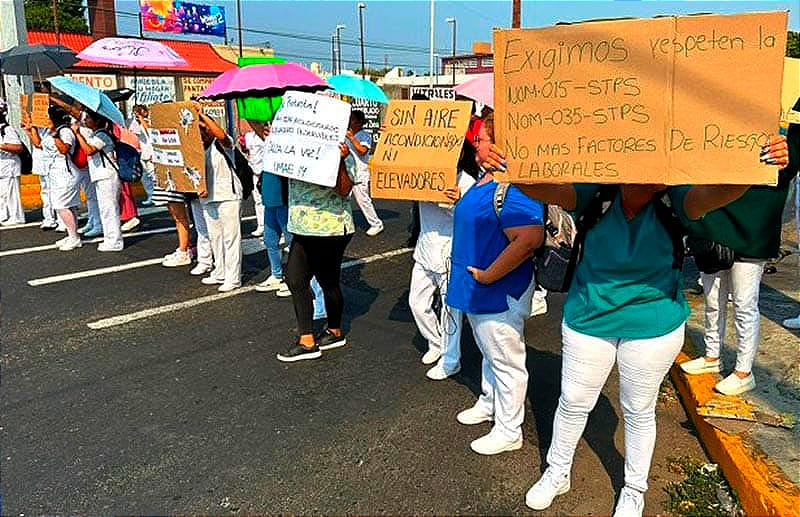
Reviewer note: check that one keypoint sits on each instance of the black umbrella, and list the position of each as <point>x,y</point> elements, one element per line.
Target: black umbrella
<point>119,94</point>
<point>36,60</point>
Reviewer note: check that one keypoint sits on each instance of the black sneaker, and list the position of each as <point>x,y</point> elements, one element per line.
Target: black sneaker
<point>328,340</point>
<point>298,352</point>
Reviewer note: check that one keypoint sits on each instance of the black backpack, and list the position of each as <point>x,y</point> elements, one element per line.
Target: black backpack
<point>241,167</point>
<point>25,157</point>
<point>554,271</point>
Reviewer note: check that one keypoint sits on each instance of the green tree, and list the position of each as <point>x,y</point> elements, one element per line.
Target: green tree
<point>71,17</point>
<point>793,44</point>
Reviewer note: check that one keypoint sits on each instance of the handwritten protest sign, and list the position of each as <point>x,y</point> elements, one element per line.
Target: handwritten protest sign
<point>791,90</point>
<point>303,142</point>
<point>418,152</point>
<point>39,103</point>
<point>673,100</point>
<point>178,153</point>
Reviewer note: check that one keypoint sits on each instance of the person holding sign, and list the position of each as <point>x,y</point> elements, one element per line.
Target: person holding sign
<point>625,305</point>
<point>58,145</point>
<point>360,142</point>
<point>221,199</point>
<point>491,281</point>
<point>99,147</point>
<point>321,224</point>
<point>11,211</point>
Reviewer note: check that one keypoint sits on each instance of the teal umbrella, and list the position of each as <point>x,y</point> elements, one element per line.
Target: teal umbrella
<point>357,87</point>
<point>92,98</point>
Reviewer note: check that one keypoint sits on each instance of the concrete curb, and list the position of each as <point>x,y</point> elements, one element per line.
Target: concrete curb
<point>760,485</point>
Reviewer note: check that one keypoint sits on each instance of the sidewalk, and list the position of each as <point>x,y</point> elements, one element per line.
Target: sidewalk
<point>760,461</point>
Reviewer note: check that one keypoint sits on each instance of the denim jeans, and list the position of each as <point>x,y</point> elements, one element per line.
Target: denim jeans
<point>275,220</point>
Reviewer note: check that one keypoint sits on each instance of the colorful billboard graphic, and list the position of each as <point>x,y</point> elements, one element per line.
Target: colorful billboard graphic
<point>183,17</point>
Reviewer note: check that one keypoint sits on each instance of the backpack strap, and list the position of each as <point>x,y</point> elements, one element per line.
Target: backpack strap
<point>103,155</point>
<point>499,197</point>
<point>672,223</point>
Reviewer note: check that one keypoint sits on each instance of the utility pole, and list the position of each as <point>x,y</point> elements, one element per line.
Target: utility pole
<point>339,28</point>
<point>361,7</point>
<point>516,14</point>
<point>239,23</point>
<point>452,20</point>
<point>55,22</point>
<point>430,72</point>
<point>13,32</point>
<point>333,53</point>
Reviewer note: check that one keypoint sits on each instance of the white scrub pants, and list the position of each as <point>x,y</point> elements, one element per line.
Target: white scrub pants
<point>364,200</point>
<point>258,205</point>
<point>107,198</point>
<point>204,252</point>
<point>504,379</point>
<point>11,211</point>
<point>443,332</point>
<point>48,214</point>
<point>585,365</point>
<point>743,281</point>
<point>91,200</point>
<point>225,232</point>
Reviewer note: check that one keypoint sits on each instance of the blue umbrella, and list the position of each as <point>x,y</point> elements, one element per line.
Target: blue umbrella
<point>92,98</point>
<point>357,87</point>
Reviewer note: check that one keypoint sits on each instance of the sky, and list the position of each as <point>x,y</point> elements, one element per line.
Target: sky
<point>397,33</point>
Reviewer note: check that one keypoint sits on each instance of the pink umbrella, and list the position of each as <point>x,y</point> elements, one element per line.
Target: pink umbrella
<point>132,52</point>
<point>270,80</point>
<point>480,88</point>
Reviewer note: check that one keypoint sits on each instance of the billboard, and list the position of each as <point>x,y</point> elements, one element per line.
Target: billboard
<point>183,17</point>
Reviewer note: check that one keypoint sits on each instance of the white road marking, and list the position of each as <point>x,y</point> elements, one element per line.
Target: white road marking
<point>93,272</point>
<point>46,247</point>
<point>155,311</point>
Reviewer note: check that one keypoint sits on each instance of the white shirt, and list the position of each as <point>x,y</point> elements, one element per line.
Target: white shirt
<point>101,167</point>
<point>54,161</point>
<point>365,139</point>
<point>255,147</point>
<point>10,165</point>
<point>222,184</point>
<point>145,147</point>
<point>37,155</point>
<point>436,231</point>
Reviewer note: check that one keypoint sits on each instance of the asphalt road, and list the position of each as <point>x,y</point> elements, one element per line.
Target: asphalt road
<point>189,412</point>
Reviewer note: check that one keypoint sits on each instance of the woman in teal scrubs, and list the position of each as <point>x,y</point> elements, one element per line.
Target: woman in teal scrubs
<point>625,305</point>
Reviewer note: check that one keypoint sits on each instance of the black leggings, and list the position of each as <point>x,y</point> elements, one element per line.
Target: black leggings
<point>319,257</point>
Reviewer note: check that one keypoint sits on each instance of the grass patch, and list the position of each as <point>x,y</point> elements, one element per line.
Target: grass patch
<point>702,492</point>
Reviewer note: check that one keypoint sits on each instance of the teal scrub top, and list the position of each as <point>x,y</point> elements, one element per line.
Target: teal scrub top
<point>625,286</point>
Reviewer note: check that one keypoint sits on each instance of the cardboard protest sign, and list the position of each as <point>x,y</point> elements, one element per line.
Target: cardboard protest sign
<point>791,90</point>
<point>671,100</point>
<point>303,143</point>
<point>178,153</point>
<point>418,151</point>
<point>39,103</point>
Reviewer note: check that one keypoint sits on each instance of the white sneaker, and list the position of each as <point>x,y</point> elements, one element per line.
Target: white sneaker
<point>473,416</point>
<point>438,373</point>
<point>495,443</point>
<point>700,365</point>
<point>61,241</point>
<point>431,356</point>
<point>92,233</point>
<point>61,228</point>
<point>210,280</point>
<point>258,232</point>
<point>130,224</point>
<point>630,504</point>
<point>733,385</point>
<point>272,283</point>
<point>176,259</point>
<point>374,230</point>
<point>540,496</point>
<point>83,229</point>
<point>200,269</point>
<point>282,241</point>
<point>283,291</point>
<point>224,288</point>
<point>48,225</point>
<point>792,323</point>
<point>70,243</point>
<point>103,246</point>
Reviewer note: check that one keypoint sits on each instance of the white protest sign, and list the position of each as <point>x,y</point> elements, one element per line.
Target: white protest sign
<point>303,142</point>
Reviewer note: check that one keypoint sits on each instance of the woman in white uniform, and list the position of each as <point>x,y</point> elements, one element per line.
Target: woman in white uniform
<point>99,147</point>
<point>11,211</point>
<point>58,144</point>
